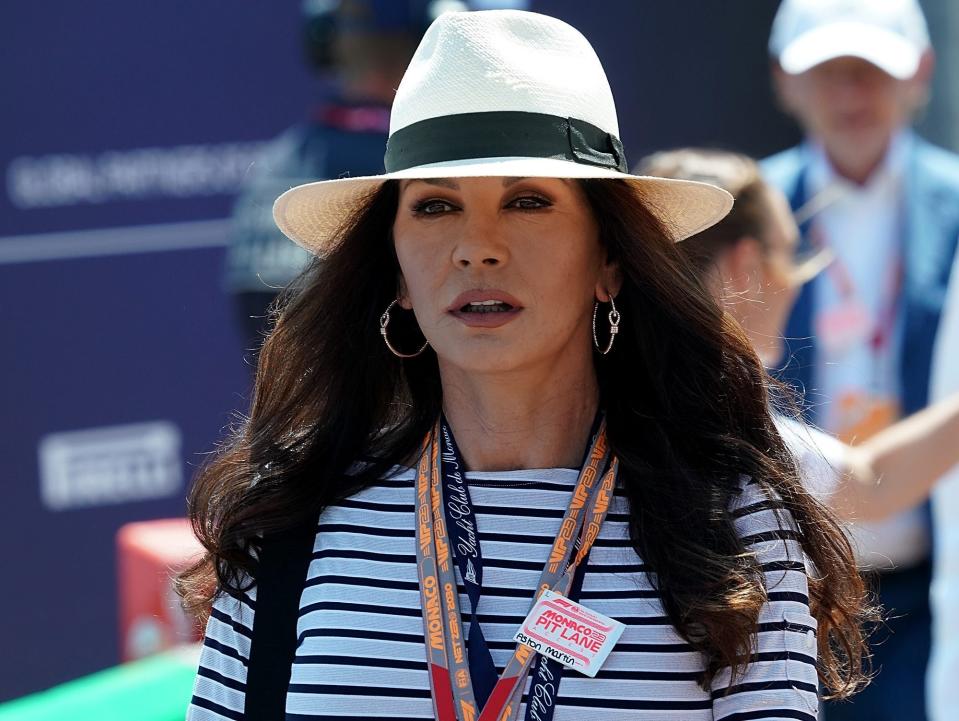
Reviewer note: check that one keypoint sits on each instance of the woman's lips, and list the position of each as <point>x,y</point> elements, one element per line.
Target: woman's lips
<point>484,308</point>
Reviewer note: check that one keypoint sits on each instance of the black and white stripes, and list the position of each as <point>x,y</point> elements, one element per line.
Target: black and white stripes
<point>360,652</point>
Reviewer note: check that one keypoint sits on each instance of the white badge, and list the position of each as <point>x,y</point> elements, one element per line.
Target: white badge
<point>567,632</point>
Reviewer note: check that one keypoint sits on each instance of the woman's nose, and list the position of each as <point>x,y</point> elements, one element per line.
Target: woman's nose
<point>481,243</point>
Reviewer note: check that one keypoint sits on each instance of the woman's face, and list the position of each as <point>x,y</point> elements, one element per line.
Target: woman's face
<point>501,273</point>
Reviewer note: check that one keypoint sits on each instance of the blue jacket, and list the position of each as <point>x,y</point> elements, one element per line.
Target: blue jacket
<point>932,227</point>
<point>259,257</point>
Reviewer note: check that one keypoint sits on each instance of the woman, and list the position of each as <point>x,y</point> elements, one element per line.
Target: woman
<point>748,260</point>
<point>612,423</point>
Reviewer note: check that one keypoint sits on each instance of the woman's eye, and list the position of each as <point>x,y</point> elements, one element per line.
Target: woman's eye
<point>433,206</point>
<point>530,202</point>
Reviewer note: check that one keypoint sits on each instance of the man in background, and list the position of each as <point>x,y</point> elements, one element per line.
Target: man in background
<point>886,203</point>
<point>360,49</point>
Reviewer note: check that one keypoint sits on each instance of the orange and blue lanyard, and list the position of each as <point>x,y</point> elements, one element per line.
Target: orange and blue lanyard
<point>463,680</point>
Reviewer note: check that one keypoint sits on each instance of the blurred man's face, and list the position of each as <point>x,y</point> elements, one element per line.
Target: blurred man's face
<point>853,108</point>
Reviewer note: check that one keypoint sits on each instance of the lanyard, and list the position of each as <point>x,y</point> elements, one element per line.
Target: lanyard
<point>450,674</point>
<point>547,673</point>
<point>354,118</point>
<point>464,538</point>
<point>838,272</point>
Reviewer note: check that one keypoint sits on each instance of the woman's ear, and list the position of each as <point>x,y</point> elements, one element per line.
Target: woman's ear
<point>610,282</point>
<point>742,265</point>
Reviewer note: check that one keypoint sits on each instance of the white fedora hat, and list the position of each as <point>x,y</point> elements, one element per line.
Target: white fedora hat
<point>501,93</point>
<point>890,34</point>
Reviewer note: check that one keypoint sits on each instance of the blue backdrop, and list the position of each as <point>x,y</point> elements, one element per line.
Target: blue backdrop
<point>129,129</point>
<point>126,130</point>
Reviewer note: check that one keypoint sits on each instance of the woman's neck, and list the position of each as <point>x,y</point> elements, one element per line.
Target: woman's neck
<point>522,419</point>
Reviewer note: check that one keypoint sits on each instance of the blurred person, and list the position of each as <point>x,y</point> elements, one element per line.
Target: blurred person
<point>749,262</point>
<point>854,73</point>
<point>944,664</point>
<point>358,48</point>
<point>509,284</point>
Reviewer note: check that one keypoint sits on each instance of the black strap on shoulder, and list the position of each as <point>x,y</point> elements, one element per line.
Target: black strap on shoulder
<point>282,569</point>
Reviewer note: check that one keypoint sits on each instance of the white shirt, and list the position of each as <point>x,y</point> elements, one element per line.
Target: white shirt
<point>361,653</point>
<point>864,227</point>
<point>943,692</point>
<point>819,456</point>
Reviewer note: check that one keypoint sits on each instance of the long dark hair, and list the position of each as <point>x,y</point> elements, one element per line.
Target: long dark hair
<point>687,411</point>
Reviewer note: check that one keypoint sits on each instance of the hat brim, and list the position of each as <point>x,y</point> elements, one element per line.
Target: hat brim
<point>311,214</point>
<point>889,52</point>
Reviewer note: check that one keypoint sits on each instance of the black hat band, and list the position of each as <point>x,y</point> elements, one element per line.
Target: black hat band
<point>503,134</point>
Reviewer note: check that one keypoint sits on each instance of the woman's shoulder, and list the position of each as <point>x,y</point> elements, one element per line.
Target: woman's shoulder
<point>768,530</point>
<point>758,509</point>
<point>750,492</point>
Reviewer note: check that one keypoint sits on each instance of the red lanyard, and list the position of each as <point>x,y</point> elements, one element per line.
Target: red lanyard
<point>841,277</point>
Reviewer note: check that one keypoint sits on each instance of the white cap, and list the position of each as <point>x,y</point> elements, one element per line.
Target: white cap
<point>890,34</point>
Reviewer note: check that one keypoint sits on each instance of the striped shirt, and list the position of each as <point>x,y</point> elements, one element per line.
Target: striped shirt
<point>361,653</point>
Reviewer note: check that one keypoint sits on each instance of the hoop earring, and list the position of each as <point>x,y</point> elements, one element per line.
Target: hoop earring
<point>385,321</point>
<point>614,319</point>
